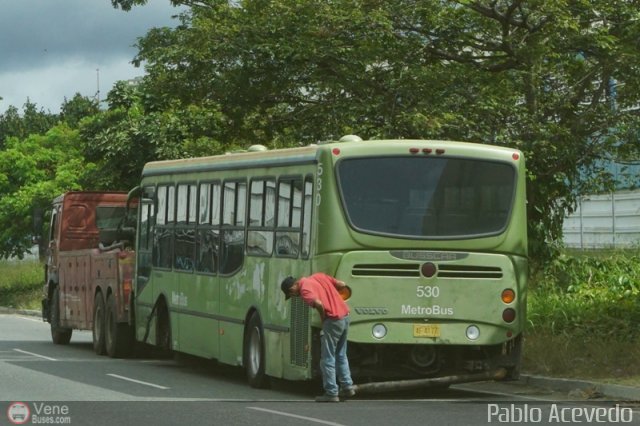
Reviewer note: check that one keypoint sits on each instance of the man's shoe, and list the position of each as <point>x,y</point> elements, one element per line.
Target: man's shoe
<point>347,392</point>
<point>327,398</point>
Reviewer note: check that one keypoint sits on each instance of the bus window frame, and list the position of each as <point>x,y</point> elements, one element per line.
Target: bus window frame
<point>262,227</point>
<point>165,225</point>
<point>232,227</point>
<point>187,225</point>
<point>209,225</point>
<point>290,229</point>
<point>308,178</point>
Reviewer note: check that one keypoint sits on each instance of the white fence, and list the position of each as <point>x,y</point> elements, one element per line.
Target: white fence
<point>605,221</point>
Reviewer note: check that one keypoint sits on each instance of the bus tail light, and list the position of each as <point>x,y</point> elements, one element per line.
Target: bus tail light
<point>508,296</point>
<point>509,315</point>
<point>345,292</point>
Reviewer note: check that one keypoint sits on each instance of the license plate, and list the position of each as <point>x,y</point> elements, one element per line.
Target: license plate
<point>426,330</point>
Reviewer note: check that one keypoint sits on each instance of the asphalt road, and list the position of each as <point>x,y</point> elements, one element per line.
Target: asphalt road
<point>71,385</point>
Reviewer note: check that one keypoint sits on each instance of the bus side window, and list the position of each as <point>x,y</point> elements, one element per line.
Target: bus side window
<point>163,232</point>
<point>185,240</point>
<point>262,206</point>
<point>208,240</point>
<point>289,217</point>
<point>306,216</point>
<point>233,220</point>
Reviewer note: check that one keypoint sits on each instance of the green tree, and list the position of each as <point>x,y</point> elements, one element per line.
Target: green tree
<point>31,121</point>
<point>134,131</point>
<point>558,80</point>
<point>79,107</point>
<point>32,172</point>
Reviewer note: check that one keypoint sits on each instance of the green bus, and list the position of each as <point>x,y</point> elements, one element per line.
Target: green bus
<point>430,237</point>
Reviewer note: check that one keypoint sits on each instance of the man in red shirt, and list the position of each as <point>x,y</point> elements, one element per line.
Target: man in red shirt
<point>320,291</point>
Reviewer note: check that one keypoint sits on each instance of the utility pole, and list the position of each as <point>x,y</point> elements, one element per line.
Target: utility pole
<point>98,86</point>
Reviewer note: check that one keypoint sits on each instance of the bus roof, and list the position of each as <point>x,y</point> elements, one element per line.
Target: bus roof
<point>309,154</point>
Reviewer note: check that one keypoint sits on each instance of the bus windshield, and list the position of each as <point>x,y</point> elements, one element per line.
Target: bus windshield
<point>427,197</point>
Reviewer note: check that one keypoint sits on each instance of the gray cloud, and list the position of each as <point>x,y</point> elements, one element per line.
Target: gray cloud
<point>44,43</point>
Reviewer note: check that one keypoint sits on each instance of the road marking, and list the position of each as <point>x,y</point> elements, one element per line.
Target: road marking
<point>31,319</point>
<point>295,416</point>
<point>32,354</point>
<point>138,381</point>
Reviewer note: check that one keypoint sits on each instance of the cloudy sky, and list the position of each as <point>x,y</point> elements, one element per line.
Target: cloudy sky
<point>51,49</point>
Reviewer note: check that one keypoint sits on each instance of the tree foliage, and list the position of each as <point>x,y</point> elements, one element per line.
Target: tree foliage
<point>134,131</point>
<point>558,80</point>
<point>33,171</point>
<point>31,121</point>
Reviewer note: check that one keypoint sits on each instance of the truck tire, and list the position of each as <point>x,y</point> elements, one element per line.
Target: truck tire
<point>99,324</point>
<point>118,336</point>
<point>59,335</point>
<point>254,353</point>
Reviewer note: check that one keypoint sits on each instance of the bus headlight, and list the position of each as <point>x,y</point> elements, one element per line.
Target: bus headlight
<point>379,331</point>
<point>473,332</point>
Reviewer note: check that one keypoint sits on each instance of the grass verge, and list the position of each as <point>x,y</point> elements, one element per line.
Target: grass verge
<point>607,360</point>
<point>583,311</point>
<point>21,284</point>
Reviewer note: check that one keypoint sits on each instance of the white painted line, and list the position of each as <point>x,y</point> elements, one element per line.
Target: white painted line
<point>295,416</point>
<point>32,354</point>
<point>138,381</point>
<point>31,319</point>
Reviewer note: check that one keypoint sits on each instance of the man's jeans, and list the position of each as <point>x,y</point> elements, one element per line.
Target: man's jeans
<point>333,358</point>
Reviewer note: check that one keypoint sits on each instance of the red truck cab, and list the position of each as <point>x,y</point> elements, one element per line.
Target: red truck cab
<point>89,270</point>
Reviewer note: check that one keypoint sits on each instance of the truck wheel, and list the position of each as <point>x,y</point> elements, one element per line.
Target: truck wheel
<point>59,335</point>
<point>98,324</point>
<point>118,336</point>
<point>254,353</point>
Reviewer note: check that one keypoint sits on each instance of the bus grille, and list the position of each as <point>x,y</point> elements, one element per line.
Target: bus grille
<point>413,270</point>
<point>386,270</point>
<point>464,271</point>
<point>299,332</point>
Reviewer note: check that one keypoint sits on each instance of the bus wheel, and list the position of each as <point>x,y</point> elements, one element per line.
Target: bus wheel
<point>59,335</point>
<point>254,354</point>
<point>98,325</point>
<point>118,336</point>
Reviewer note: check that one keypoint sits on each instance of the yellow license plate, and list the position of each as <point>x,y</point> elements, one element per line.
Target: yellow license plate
<point>426,330</point>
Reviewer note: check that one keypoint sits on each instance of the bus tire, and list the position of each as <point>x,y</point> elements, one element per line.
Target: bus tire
<point>118,336</point>
<point>98,324</point>
<point>254,353</point>
<point>59,335</point>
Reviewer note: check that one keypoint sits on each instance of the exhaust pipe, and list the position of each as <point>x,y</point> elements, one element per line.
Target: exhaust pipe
<point>400,385</point>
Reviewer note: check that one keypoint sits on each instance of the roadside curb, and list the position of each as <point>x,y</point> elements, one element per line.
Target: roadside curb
<point>28,312</point>
<point>585,388</point>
